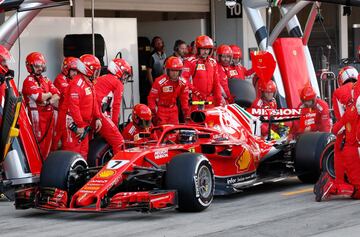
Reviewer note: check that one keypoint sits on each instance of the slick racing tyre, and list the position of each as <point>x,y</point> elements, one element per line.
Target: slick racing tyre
<point>192,176</point>
<point>309,148</point>
<point>99,152</point>
<point>243,91</point>
<point>327,160</point>
<point>60,170</point>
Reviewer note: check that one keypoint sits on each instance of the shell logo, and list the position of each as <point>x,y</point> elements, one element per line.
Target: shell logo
<point>243,162</point>
<point>106,173</point>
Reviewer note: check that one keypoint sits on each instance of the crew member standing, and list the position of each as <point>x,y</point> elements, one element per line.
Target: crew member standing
<point>165,91</point>
<point>237,70</point>
<point>81,108</point>
<point>201,73</point>
<point>68,71</point>
<point>109,91</point>
<point>224,54</point>
<point>40,96</point>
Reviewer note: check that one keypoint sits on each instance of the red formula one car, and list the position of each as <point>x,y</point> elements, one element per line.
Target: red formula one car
<point>180,166</point>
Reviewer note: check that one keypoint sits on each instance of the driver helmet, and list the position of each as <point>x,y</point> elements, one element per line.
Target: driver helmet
<point>187,136</point>
<point>141,116</point>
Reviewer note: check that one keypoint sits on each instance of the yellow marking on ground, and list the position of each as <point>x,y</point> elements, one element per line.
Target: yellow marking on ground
<point>305,190</point>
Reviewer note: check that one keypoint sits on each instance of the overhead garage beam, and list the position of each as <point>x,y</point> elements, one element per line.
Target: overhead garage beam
<point>152,5</point>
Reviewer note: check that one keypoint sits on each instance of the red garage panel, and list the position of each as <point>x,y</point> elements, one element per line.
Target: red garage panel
<point>293,68</point>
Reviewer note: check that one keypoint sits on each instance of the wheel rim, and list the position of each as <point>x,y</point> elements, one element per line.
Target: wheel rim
<point>205,182</point>
<point>73,184</point>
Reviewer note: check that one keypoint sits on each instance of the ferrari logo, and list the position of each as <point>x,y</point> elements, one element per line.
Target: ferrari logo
<point>243,162</point>
<point>192,149</point>
<point>294,52</point>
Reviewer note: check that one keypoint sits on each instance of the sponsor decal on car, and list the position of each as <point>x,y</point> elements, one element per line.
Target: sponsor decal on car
<point>106,173</point>
<point>161,154</point>
<point>243,161</point>
<point>240,178</point>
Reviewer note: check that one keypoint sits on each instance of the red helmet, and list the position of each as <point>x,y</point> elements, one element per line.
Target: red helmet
<point>347,73</point>
<point>68,64</point>
<point>174,63</point>
<point>90,65</point>
<point>120,68</point>
<point>269,87</point>
<point>204,42</point>
<point>224,49</point>
<point>35,59</point>
<point>141,116</point>
<point>307,93</point>
<point>5,56</point>
<point>237,53</point>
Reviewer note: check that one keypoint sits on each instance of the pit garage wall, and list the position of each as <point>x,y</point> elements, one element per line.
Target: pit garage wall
<point>171,31</point>
<point>232,30</point>
<point>45,34</point>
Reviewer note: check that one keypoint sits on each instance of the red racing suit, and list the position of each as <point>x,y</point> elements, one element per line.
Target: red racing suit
<point>223,73</point>
<point>340,98</point>
<point>41,113</point>
<point>163,96</point>
<point>61,83</point>
<point>313,119</point>
<point>259,103</point>
<point>109,91</point>
<point>350,152</point>
<point>203,80</point>
<point>131,132</point>
<point>81,108</point>
<point>239,72</point>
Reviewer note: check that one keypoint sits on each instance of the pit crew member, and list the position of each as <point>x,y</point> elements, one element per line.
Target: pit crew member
<point>41,96</point>
<point>141,122</point>
<point>82,111</point>
<point>165,91</point>
<point>346,78</point>
<point>224,57</point>
<point>201,74</point>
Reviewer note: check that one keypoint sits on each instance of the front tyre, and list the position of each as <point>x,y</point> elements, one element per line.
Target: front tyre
<point>191,174</point>
<point>60,170</point>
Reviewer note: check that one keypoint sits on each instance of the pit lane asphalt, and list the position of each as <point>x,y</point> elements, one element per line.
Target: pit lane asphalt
<point>286,208</point>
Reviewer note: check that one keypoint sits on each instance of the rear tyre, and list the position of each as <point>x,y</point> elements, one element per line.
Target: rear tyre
<point>309,148</point>
<point>243,91</point>
<point>60,171</point>
<point>100,152</point>
<point>192,176</point>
